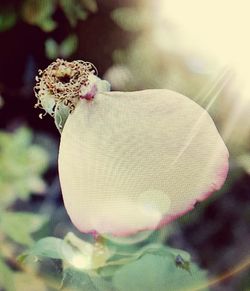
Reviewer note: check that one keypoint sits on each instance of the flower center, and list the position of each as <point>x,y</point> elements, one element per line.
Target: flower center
<point>63,81</point>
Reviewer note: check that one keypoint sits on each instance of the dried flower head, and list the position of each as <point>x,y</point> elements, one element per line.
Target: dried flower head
<point>61,82</point>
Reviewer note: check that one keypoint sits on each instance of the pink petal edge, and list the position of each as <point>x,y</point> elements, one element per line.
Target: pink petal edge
<point>222,175</point>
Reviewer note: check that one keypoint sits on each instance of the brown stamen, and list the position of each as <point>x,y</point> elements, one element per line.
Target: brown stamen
<point>63,80</point>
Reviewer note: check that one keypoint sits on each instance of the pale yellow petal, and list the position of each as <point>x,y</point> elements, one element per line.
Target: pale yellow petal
<point>134,161</point>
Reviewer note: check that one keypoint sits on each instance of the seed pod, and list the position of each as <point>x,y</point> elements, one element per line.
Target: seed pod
<point>133,161</point>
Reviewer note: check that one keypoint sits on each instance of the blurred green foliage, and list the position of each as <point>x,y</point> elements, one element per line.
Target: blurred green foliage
<point>18,226</point>
<point>40,13</point>
<point>7,19</point>
<point>21,166</point>
<point>77,9</point>
<point>63,50</point>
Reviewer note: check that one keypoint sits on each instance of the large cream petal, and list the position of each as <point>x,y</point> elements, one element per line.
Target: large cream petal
<point>134,161</point>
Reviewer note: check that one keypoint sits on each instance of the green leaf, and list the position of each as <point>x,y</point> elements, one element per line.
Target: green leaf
<point>154,272</point>
<point>68,46</point>
<point>39,13</point>
<point>52,50</point>
<point>122,258</point>
<point>72,250</point>
<point>73,10</point>
<point>77,280</point>
<point>61,115</point>
<point>64,50</point>
<point>48,100</point>
<point>6,276</point>
<point>156,249</point>
<point>19,225</point>
<point>50,247</point>
<point>47,24</point>
<point>7,19</point>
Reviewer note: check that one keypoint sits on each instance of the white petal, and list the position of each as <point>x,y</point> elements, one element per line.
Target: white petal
<point>134,161</point>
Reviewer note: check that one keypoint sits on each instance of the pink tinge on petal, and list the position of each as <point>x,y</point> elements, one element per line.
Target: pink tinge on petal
<point>91,94</point>
<point>219,181</point>
<point>93,233</point>
<point>221,177</point>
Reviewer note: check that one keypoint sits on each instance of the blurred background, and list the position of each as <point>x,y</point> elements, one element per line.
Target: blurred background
<point>194,47</point>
